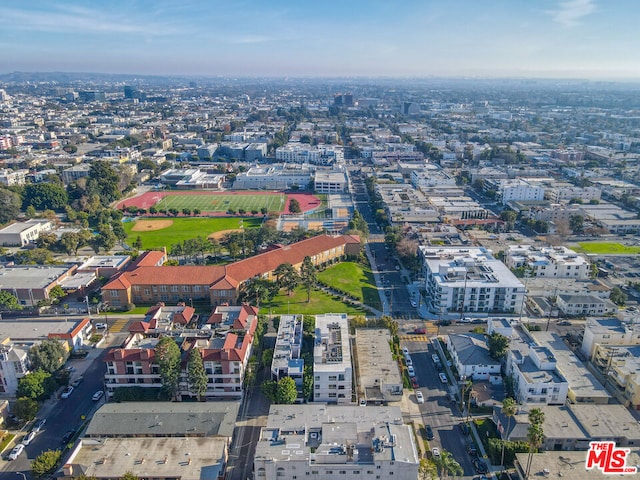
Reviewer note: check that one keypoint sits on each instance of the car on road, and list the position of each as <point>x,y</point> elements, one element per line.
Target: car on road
<point>435,358</point>
<point>429,432</point>
<point>387,293</point>
<point>363,402</point>
<point>405,351</point>
<point>443,377</point>
<point>411,371</point>
<point>408,360</point>
<point>415,384</point>
<point>419,397</point>
<point>435,451</point>
<point>419,331</point>
<point>28,438</point>
<point>466,320</point>
<point>101,326</point>
<point>414,304</point>
<point>67,437</point>
<point>66,393</point>
<point>564,323</point>
<point>97,396</point>
<point>39,424</point>
<point>77,381</point>
<point>15,453</point>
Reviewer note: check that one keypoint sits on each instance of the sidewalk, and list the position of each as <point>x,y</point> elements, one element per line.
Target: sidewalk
<point>412,416</point>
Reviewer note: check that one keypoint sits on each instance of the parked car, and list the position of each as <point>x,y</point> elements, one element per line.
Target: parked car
<point>101,326</point>
<point>414,304</point>
<point>415,384</point>
<point>411,371</point>
<point>39,424</point>
<point>97,396</point>
<point>435,358</point>
<point>66,393</point>
<point>443,377</point>
<point>15,453</point>
<point>77,381</point>
<point>28,438</point>
<point>419,397</point>
<point>67,437</point>
<point>407,359</point>
<point>405,351</point>
<point>435,451</point>
<point>429,432</point>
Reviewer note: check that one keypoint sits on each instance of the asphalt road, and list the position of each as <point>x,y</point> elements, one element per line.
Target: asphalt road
<point>437,411</point>
<point>64,415</point>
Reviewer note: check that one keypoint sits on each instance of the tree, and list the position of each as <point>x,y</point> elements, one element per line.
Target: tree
<point>196,373</point>
<point>10,204</point>
<point>130,476</point>
<point>308,276</point>
<point>56,292</point>
<point>617,296</point>
<point>168,358</point>
<point>8,300</point>
<point>70,242</point>
<point>287,277</point>
<point>447,465</point>
<point>576,223</point>
<point>47,240</point>
<point>535,435</point>
<point>103,181</point>
<point>269,388</point>
<point>498,345</point>
<point>267,357</point>
<point>294,206</point>
<point>36,385</point>
<point>26,408</point>
<point>286,393</point>
<point>48,356</point>
<point>45,196</point>
<point>259,290</point>
<point>509,216</point>
<point>427,470</point>
<point>46,462</point>
<point>509,409</point>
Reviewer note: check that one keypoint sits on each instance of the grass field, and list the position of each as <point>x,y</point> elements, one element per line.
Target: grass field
<point>355,279</point>
<point>185,228</point>
<point>223,203</point>
<point>603,248</point>
<point>297,304</point>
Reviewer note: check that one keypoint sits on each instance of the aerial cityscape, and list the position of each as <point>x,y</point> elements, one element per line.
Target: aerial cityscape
<point>257,241</point>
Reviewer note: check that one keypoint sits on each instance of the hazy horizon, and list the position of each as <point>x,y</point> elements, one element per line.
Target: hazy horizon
<point>496,39</point>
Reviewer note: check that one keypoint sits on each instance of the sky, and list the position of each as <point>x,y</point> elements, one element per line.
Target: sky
<point>591,39</point>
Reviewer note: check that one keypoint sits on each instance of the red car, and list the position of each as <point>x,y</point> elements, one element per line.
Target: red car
<point>420,331</point>
<point>414,382</point>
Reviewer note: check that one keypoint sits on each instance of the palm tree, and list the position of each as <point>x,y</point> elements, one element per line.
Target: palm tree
<point>447,465</point>
<point>509,409</point>
<point>535,435</point>
<point>427,470</point>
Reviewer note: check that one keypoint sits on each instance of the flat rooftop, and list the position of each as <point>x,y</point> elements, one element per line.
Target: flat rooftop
<point>31,276</point>
<point>32,330</point>
<point>376,366</point>
<point>104,261</point>
<point>607,421</point>
<point>187,458</point>
<point>566,465</point>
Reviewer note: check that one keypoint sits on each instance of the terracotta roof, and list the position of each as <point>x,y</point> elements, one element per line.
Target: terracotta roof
<point>174,275</point>
<point>184,316</point>
<point>214,318</point>
<point>130,354</point>
<point>150,258</point>
<point>119,282</point>
<point>139,327</point>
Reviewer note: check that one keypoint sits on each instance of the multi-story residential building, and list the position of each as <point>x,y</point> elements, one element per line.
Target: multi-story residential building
<point>287,361</point>
<point>14,364</point>
<point>316,442</point>
<point>609,331</point>
<point>301,153</point>
<point>566,192</point>
<point>274,177</point>
<point>32,283</point>
<point>331,182</point>
<point>431,178</point>
<point>590,305</point>
<point>379,376</point>
<point>468,280</point>
<point>225,348</point>
<point>13,177</point>
<point>620,366</point>
<point>548,262</point>
<point>332,381</point>
<point>144,283</point>
<point>517,189</point>
<point>20,234</point>
<point>71,174</point>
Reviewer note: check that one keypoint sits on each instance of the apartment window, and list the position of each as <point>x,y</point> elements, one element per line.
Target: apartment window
<point>332,395</point>
<point>343,472</point>
<point>136,288</point>
<point>196,288</point>
<point>174,288</point>
<point>115,293</point>
<point>185,288</point>
<point>164,288</point>
<point>147,291</point>
<point>329,472</point>
<point>333,386</point>
<point>341,377</point>
<point>332,378</point>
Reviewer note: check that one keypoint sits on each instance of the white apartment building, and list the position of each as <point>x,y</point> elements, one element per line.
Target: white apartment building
<point>468,280</point>
<point>609,331</point>
<point>517,189</point>
<point>286,354</point>
<point>585,305</point>
<point>564,193</point>
<point>548,262</point>
<point>431,178</point>
<point>13,177</point>
<point>303,153</point>
<point>332,381</point>
<point>317,442</point>
<point>535,376</point>
<point>274,177</point>
<point>14,364</point>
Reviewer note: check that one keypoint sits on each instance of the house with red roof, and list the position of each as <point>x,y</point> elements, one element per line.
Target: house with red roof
<point>150,282</point>
<point>225,346</point>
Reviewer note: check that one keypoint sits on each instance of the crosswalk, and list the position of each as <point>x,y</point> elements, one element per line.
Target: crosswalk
<point>118,325</point>
<point>414,338</point>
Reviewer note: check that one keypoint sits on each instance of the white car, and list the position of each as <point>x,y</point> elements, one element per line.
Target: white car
<point>66,393</point>
<point>97,396</point>
<point>28,438</point>
<point>443,377</point>
<point>419,397</point>
<point>39,424</point>
<point>413,304</point>
<point>407,359</point>
<point>101,326</point>
<point>435,451</point>
<point>15,453</point>
<point>405,351</point>
<point>411,371</point>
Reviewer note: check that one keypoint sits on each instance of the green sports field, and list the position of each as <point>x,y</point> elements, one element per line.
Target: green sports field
<point>223,203</point>
<point>604,248</point>
<point>181,229</point>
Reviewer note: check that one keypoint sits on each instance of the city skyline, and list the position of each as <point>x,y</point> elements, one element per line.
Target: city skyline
<point>589,39</point>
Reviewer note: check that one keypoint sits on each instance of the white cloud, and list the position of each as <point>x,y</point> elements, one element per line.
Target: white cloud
<point>250,39</point>
<point>570,12</point>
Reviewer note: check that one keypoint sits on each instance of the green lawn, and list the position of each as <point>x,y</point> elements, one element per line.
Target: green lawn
<point>186,228</point>
<point>297,303</point>
<point>355,279</point>
<point>604,248</point>
<point>222,203</point>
